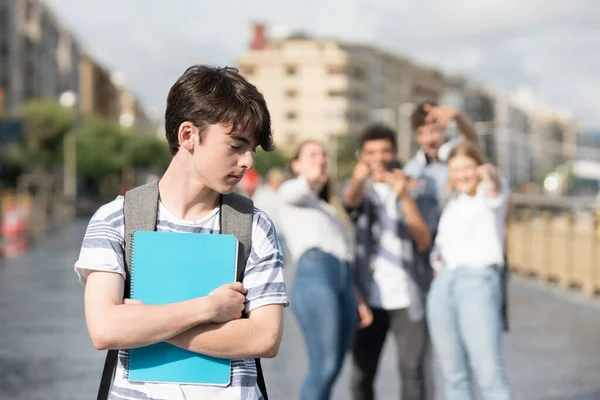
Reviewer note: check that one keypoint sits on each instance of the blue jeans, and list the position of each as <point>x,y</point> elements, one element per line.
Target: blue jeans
<point>324,303</point>
<point>465,323</point>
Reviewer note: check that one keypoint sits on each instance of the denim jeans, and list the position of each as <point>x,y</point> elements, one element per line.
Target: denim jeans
<point>324,303</point>
<point>465,323</point>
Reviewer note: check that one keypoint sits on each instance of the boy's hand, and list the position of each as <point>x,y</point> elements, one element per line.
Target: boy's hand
<point>316,177</point>
<point>397,180</point>
<point>361,172</point>
<point>487,172</point>
<point>439,115</point>
<point>365,316</point>
<point>227,302</point>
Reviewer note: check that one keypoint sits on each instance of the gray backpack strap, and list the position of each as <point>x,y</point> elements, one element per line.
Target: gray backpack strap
<point>236,219</point>
<point>141,210</point>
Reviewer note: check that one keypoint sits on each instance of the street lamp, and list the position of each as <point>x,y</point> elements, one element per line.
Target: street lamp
<point>69,100</point>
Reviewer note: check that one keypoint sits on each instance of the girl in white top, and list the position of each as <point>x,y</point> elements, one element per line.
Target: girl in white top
<point>464,302</point>
<point>324,298</point>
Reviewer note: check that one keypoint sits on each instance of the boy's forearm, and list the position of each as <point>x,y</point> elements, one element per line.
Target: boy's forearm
<point>354,195</point>
<point>467,129</point>
<point>129,326</point>
<point>418,228</point>
<point>241,338</point>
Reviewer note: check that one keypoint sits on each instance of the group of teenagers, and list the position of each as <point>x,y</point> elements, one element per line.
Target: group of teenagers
<point>425,259</point>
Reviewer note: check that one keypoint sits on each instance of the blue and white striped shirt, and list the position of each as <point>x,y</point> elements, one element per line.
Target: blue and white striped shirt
<point>103,249</point>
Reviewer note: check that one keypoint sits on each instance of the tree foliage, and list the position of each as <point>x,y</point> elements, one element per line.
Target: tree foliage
<point>263,160</point>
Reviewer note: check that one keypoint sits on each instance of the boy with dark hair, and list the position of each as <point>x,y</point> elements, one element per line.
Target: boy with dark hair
<point>388,224</point>
<point>215,120</point>
<point>428,167</point>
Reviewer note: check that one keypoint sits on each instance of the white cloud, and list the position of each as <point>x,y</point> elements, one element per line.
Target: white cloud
<point>549,45</point>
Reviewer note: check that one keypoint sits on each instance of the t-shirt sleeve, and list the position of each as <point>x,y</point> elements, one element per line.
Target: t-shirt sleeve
<point>263,277</point>
<point>103,244</point>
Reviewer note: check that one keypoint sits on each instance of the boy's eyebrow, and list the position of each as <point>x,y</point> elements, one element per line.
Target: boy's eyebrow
<point>241,139</point>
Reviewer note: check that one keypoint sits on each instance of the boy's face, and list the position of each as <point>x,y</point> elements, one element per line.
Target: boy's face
<point>430,137</point>
<point>377,153</point>
<point>223,157</point>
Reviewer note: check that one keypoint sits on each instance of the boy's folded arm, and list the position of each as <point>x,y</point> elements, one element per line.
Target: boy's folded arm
<point>114,325</point>
<point>257,336</point>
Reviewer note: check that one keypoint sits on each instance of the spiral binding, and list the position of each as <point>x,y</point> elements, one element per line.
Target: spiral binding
<point>131,266</point>
<point>126,353</point>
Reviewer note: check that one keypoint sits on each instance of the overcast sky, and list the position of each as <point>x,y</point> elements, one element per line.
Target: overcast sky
<point>553,46</point>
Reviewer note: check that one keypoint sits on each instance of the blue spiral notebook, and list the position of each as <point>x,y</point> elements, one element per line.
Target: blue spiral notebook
<point>168,267</point>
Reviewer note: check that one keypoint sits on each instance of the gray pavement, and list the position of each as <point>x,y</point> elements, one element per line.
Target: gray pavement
<point>552,351</point>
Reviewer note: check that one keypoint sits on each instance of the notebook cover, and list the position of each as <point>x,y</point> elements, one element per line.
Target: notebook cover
<point>169,267</point>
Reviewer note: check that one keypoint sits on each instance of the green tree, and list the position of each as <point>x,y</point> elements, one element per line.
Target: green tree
<point>346,157</point>
<point>46,123</point>
<point>264,160</point>
<point>146,151</point>
<point>100,150</point>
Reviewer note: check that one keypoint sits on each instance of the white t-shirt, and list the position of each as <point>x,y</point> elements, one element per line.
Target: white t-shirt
<point>389,289</point>
<point>103,250</point>
<point>471,230</point>
<point>309,222</point>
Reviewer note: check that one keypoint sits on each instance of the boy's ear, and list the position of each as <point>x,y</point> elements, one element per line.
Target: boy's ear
<point>186,135</point>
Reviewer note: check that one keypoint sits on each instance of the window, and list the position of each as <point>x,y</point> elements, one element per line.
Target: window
<point>357,73</point>
<point>335,69</point>
<point>291,115</point>
<point>291,70</point>
<point>356,95</point>
<point>336,93</point>
<point>291,93</point>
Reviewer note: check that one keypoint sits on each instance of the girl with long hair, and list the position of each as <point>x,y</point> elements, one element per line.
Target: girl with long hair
<point>324,299</point>
<point>464,305</point>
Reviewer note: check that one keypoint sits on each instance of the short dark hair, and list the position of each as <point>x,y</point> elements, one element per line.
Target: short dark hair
<point>417,119</point>
<point>206,95</point>
<point>377,132</point>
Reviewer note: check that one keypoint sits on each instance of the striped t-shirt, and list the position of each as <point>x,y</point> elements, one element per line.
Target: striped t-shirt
<point>103,250</point>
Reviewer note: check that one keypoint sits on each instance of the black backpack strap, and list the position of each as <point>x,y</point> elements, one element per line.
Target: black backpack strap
<point>236,219</point>
<point>141,210</point>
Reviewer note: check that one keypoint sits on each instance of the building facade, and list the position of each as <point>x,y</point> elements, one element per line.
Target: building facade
<point>39,57</point>
<point>325,89</point>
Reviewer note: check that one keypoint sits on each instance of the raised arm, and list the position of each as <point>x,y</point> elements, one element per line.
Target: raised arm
<point>354,193</point>
<point>443,115</point>
<point>418,229</point>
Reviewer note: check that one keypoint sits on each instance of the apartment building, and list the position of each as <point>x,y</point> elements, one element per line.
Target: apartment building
<point>39,57</point>
<point>324,88</point>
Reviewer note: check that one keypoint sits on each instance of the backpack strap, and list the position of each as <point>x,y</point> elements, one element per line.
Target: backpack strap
<point>236,219</point>
<point>141,210</point>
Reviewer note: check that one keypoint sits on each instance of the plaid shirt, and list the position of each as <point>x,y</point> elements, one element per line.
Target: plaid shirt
<point>366,224</point>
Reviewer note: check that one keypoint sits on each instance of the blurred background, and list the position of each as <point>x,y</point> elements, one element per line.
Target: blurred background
<point>82,95</point>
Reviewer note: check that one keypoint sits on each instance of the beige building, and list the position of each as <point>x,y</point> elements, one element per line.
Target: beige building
<point>323,88</point>
<point>98,94</point>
